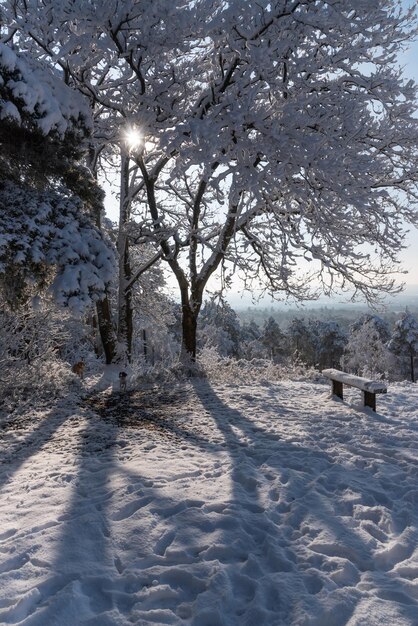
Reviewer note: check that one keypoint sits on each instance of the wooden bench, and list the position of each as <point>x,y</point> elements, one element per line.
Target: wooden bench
<point>369,387</point>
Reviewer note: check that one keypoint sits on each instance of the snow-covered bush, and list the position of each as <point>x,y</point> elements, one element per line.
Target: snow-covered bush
<point>229,370</point>
<point>41,383</point>
<point>38,346</point>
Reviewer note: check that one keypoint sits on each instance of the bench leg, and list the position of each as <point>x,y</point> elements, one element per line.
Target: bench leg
<point>369,399</point>
<point>337,389</point>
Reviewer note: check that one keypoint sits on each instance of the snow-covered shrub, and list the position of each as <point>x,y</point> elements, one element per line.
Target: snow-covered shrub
<point>229,370</point>
<point>41,383</point>
<point>38,346</point>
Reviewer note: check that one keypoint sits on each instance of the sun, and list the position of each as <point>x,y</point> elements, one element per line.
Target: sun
<point>133,138</point>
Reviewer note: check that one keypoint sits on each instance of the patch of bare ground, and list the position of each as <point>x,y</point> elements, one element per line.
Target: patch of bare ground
<point>150,409</point>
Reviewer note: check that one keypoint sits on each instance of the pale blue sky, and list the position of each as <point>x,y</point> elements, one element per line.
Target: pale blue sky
<point>409,257</point>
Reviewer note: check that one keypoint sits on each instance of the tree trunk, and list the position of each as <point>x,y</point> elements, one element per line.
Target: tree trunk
<point>103,308</point>
<point>125,310</point>
<point>144,344</point>
<point>190,307</point>
<point>106,330</point>
<point>412,368</point>
<point>189,330</point>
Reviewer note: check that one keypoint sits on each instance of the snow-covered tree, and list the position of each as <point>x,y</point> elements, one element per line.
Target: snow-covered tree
<point>301,342</point>
<point>404,341</point>
<point>250,341</point>
<point>250,331</point>
<point>366,352</point>
<point>274,132</point>
<point>153,313</point>
<point>68,39</point>
<point>328,341</point>
<point>46,234</point>
<point>378,323</point>
<point>317,343</point>
<point>220,329</point>
<point>273,339</point>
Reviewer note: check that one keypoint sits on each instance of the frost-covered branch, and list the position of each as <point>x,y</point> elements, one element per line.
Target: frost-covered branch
<point>300,104</point>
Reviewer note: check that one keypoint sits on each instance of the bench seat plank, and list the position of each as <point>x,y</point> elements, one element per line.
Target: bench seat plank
<point>370,386</point>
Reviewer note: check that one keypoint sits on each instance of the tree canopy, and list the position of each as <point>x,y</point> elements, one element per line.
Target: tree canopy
<point>275,134</point>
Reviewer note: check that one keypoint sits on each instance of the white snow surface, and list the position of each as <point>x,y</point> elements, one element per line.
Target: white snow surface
<point>211,504</point>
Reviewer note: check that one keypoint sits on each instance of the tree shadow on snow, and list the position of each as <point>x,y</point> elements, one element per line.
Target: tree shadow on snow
<point>15,455</point>
<point>259,554</point>
<point>294,506</point>
<point>91,579</point>
<point>71,583</point>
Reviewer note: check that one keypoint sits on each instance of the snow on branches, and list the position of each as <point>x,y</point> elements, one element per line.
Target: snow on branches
<point>283,133</point>
<point>47,238</point>
<point>29,91</point>
<point>40,230</point>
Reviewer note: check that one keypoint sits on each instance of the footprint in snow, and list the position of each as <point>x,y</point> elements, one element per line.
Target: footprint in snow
<point>130,509</point>
<point>164,542</point>
<point>8,533</point>
<point>14,563</point>
<point>118,564</point>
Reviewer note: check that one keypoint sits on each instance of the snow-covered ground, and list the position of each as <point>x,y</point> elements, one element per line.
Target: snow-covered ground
<point>212,505</point>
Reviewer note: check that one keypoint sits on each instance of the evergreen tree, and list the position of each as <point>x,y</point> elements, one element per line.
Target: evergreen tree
<point>378,324</point>
<point>250,344</point>
<point>47,238</point>
<point>328,343</point>
<point>273,339</point>
<point>250,331</point>
<point>301,341</point>
<point>404,341</point>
